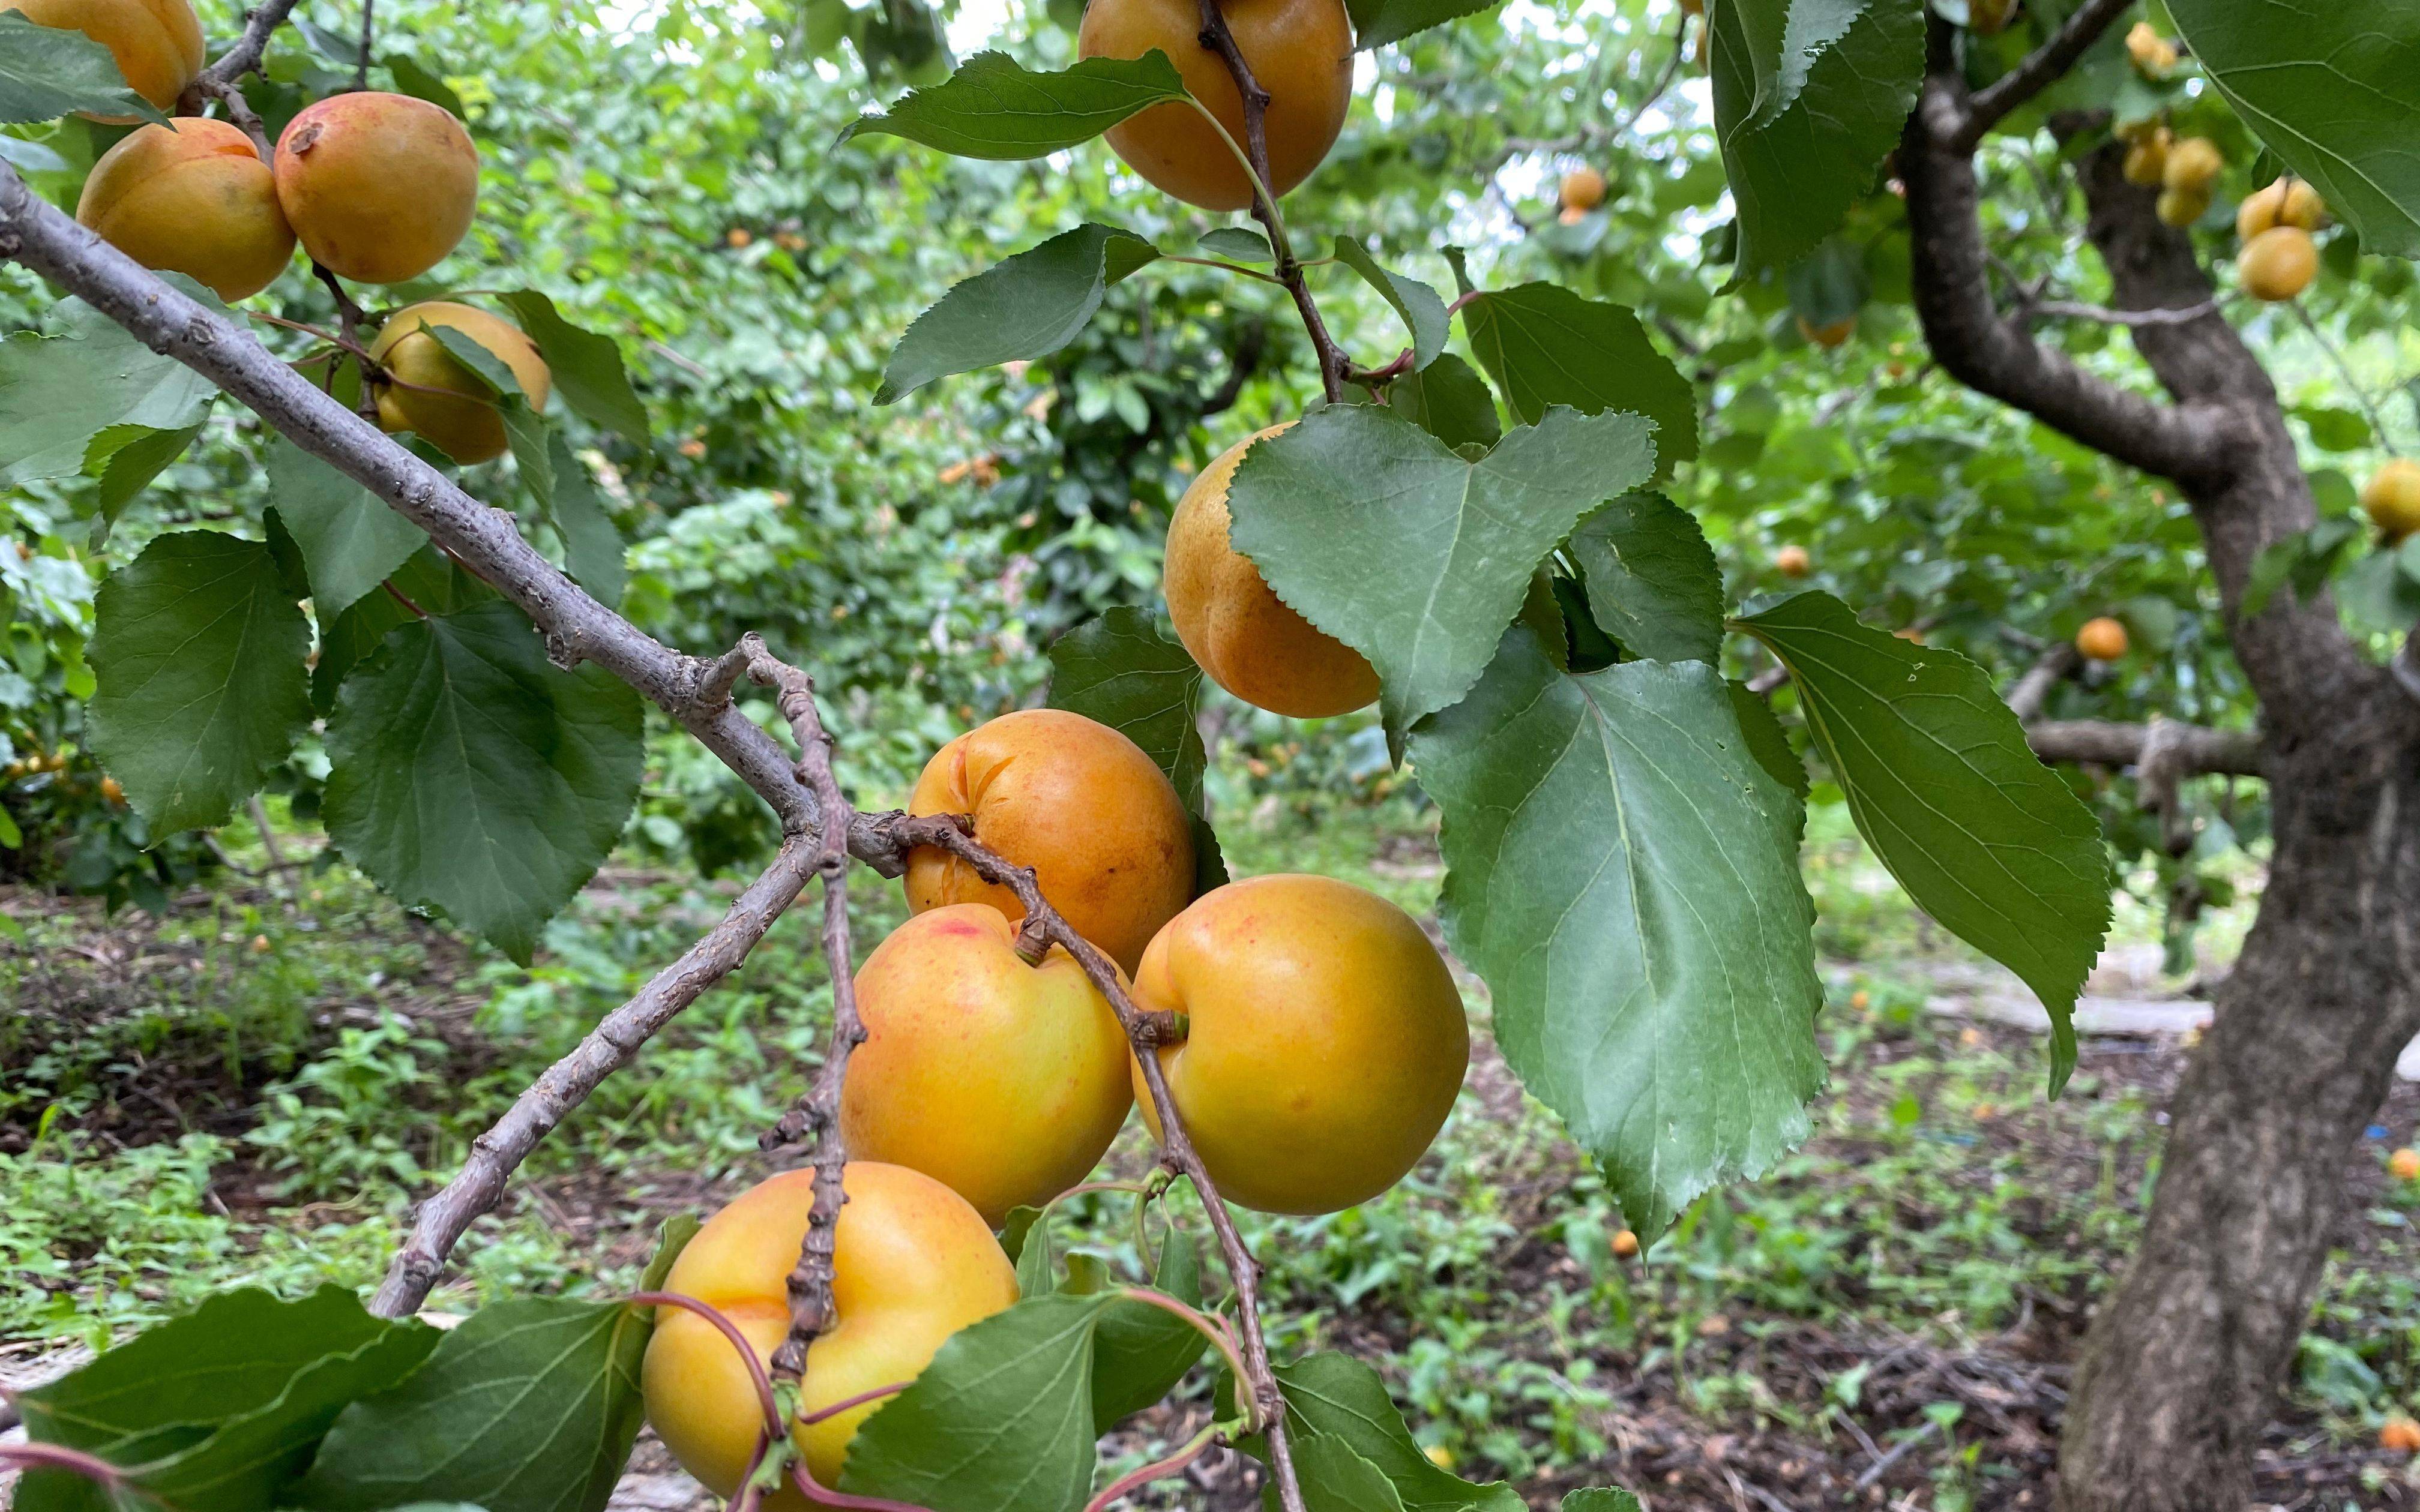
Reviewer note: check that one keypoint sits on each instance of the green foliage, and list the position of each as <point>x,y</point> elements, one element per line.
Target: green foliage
<point>1124,671</point>
<point>49,71</point>
<point>994,107</point>
<point>1545,345</point>
<point>57,391</point>
<point>1652,582</point>
<point>1024,307</point>
<point>351,540</point>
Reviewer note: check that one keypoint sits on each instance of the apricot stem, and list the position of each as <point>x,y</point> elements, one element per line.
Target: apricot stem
<point>58,1456</point>
<point>1157,1470</point>
<point>1216,1331</point>
<point>738,1341</point>
<point>816,1491</point>
<point>808,1420</point>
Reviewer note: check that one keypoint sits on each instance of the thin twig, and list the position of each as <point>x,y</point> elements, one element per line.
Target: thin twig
<point>362,63</point>
<point>244,56</point>
<point>2344,371</point>
<point>1194,1448</point>
<point>241,113</point>
<point>2067,309</point>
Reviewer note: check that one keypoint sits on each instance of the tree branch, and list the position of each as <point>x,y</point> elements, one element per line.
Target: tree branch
<point>2192,750</point>
<point>1146,1032</point>
<point>442,1220</point>
<point>2027,696</point>
<point>244,56</point>
<point>2046,63</point>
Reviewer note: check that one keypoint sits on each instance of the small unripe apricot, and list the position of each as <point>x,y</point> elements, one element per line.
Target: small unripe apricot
<point>379,187</point>
<point>1251,642</point>
<point>2192,163</point>
<point>2401,1434</point>
<point>2392,496</point>
<point>2278,264</point>
<point>2154,55</point>
<point>2103,639</point>
<point>1625,1244</point>
<point>1327,1039</point>
<point>435,396</point>
<point>1097,820</point>
<point>1001,1080</point>
<point>157,43</point>
<point>1793,561</point>
<point>192,198</point>
<point>2147,160</point>
<point>1301,52</point>
<point>2286,202</point>
<point>1832,333</point>
<point>1583,189</point>
<point>2404,1165</point>
<point>2181,208</point>
<point>911,1265</point>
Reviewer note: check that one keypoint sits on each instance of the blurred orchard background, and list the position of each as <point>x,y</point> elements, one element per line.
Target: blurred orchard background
<point>227,1058</point>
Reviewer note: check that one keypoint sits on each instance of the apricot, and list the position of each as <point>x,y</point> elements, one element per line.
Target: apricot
<point>1793,561</point>
<point>2286,202</point>
<point>458,418</point>
<point>1989,18</point>
<point>157,43</point>
<point>1326,1044</point>
<point>1250,640</point>
<point>1004,1080</point>
<point>1583,189</point>
<point>1830,334</point>
<point>1100,825</point>
<point>2404,1165</point>
<point>2278,264</point>
<point>911,1265</point>
<point>1570,215</point>
<point>2392,496</point>
<point>1301,52</point>
<point>1625,1244</point>
<point>2103,639</point>
<point>2401,1434</point>
<point>2192,165</point>
<point>2181,208</point>
<point>192,198</point>
<point>2154,55</point>
<point>379,187</point>
<point>2146,158</point>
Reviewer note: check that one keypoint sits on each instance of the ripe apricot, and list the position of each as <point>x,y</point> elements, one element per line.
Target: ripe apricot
<point>1570,215</point>
<point>1099,823</point>
<point>911,1265</point>
<point>1793,561</point>
<point>1327,1041</point>
<point>1831,333</point>
<point>457,418</point>
<point>1004,1080</point>
<point>157,43</point>
<point>2146,158</point>
<point>2103,639</point>
<point>1251,642</point>
<point>2181,208</point>
<point>1583,189</point>
<point>193,198</point>
<point>379,187</point>
<point>2392,496</point>
<point>2401,1434</point>
<point>2404,1165</point>
<point>2154,55</point>
<point>2286,202</point>
<point>112,790</point>
<point>2278,264</point>
<point>1301,52</point>
<point>2192,165</point>
<point>1625,1244</point>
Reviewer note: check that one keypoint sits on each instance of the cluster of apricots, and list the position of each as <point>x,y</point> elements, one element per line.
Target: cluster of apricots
<point>378,188</point>
<point>2277,259</point>
<point>1581,191</point>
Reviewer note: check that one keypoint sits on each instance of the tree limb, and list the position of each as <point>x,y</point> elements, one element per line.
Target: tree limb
<point>244,56</point>
<point>2045,65</point>
<point>2191,750</point>
<point>442,1219</point>
<point>2027,696</point>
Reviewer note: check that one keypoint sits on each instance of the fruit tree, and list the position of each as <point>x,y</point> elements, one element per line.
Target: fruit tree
<point>1488,510</point>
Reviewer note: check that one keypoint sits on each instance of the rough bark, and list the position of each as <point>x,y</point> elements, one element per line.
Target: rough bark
<point>2180,1368</point>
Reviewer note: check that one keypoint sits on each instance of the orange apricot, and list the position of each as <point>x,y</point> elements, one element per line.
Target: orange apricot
<point>438,397</point>
<point>157,43</point>
<point>192,198</point>
<point>379,187</point>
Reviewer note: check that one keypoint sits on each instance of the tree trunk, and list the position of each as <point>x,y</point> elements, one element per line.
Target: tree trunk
<point>2182,1366</point>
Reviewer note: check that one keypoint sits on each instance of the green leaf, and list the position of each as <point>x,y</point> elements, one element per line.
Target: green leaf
<point>1651,580</point>
<point>530,1406</point>
<point>1376,22</point>
<point>414,77</point>
<point>1545,345</point>
<point>995,107</point>
<point>429,580</point>
<point>593,547</point>
<point>1600,1498</point>
<point>1002,1420</point>
<point>1622,871</point>
<point>1124,671</point>
<point>1141,1351</point>
<point>1448,400</point>
<point>50,71</point>
<point>470,775</point>
<point>351,540</point>
<point>1037,1263</point>
<point>1767,741</point>
<point>1941,782</point>
<point>1335,1479</point>
<point>1340,1398</point>
<point>525,429</point>
<point>198,647</point>
<point>218,1411</point>
<point>1025,307</point>
<point>1808,98</point>
<point>126,458</point>
<point>586,367</point>
<point>1422,309</point>
<point>56,392</point>
<point>1237,244</point>
<point>2329,87</point>
<point>1022,1220</point>
<point>1376,532</point>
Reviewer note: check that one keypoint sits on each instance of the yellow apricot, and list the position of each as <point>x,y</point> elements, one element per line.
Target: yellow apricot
<point>2154,55</point>
<point>157,43</point>
<point>911,1265</point>
<point>1793,561</point>
<point>2392,496</point>
<point>1625,1244</point>
<point>192,198</point>
<point>2103,639</point>
<point>2147,160</point>
<point>1004,1080</point>
<point>1326,1039</point>
<point>379,187</point>
<point>1583,189</point>
<point>434,396</point>
<point>2404,1165</point>
<point>2278,264</point>
<point>2286,202</point>
<point>1250,640</point>
<point>1300,51</point>
<point>1831,333</point>
<point>1097,820</point>
<point>2181,208</point>
<point>2192,165</point>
